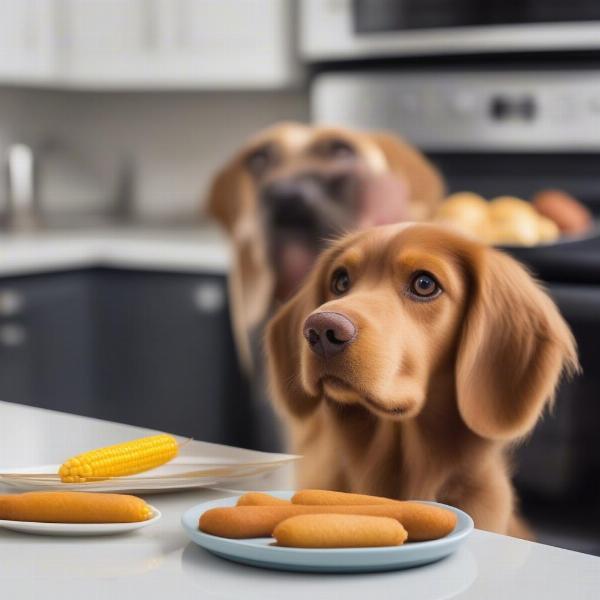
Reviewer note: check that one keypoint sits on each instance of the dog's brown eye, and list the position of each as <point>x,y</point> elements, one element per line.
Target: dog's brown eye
<point>335,149</point>
<point>340,281</point>
<point>424,285</point>
<point>340,149</point>
<point>260,160</point>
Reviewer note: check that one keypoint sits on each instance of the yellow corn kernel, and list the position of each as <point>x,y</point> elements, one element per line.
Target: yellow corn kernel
<point>127,458</point>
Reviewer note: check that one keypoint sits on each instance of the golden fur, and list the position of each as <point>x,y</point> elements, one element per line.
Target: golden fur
<point>428,399</point>
<point>232,200</point>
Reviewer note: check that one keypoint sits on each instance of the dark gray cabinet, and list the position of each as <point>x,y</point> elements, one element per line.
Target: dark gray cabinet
<point>145,348</point>
<point>45,328</point>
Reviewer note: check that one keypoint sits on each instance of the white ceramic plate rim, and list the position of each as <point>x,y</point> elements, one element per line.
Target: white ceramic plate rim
<point>139,483</point>
<point>452,536</point>
<point>79,528</point>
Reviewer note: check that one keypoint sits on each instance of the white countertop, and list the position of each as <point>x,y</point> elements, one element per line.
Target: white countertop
<point>201,249</point>
<point>159,562</point>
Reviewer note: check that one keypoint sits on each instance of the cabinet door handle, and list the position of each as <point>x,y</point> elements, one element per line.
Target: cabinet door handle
<point>12,335</point>
<point>209,297</point>
<point>12,303</point>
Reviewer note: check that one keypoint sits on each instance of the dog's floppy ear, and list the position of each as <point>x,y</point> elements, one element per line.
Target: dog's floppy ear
<point>229,196</point>
<point>283,346</point>
<point>231,202</point>
<point>427,187</point>
<point>515,345</point>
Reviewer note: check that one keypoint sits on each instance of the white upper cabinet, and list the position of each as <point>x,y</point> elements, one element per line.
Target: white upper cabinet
<point>149,44</point>
<point>228,43</point>
<point>26,41</point>
<point>107,42</point>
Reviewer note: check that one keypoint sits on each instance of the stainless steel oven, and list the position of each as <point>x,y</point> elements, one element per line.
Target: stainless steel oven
<point>351,29</point>
<point>499,132</point>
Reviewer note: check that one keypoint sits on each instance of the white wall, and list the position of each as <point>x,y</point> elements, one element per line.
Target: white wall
<point>176,140</point>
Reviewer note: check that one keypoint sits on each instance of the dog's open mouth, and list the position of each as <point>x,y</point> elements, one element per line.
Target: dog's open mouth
<point>338,391</point>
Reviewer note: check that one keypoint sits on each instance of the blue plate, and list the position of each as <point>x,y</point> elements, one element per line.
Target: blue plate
<point>260,552</point>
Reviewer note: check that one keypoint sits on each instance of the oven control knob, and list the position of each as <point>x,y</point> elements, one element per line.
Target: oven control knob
<point>500,108</point>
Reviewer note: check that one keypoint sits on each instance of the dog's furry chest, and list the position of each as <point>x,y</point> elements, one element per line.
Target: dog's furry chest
<point>351,450</point>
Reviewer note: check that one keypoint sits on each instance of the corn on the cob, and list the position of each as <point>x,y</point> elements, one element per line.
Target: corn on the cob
<point>127,458</point>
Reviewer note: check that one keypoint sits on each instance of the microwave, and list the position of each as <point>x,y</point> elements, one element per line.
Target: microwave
<point>337,30</point>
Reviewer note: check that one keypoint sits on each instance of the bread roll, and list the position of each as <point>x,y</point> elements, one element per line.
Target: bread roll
<point>469,206</point>
<point>506,208</point>
<point>549,231</point>
<point>513,221</point>
<point>466,212</point>
<point>520,232</point>
<point>571,216</point>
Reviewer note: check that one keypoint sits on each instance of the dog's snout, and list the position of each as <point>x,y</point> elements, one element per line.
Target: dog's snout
<point>329,333</point>
<point>291,202</point>
<point>286,192</point>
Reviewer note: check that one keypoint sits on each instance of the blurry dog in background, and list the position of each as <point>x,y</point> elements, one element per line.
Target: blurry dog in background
<point>293,187</point>
<point>409,363</point>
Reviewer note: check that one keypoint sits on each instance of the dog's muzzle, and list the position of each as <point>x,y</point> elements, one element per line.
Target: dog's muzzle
<point>302,202</point>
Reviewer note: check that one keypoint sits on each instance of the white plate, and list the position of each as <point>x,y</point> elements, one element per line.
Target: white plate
<point>78,529</point>
<point>200,464</point>
<point>261,552</point>
<point>21,480</point>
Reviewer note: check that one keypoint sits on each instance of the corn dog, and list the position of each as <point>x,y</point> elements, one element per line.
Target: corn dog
<point>339,531</point>
<point>260,499</point>
<point>323,497</point>
<point>421,521</point>
<point>73,507</point>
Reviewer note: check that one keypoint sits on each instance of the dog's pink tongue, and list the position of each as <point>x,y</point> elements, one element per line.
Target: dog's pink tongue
<point>384,200</point>
<point>294,262</point>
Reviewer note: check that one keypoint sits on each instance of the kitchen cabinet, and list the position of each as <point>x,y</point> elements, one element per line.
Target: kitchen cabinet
<point>26,41</point>
<point>106,42</point>
<point>45,327</point>
<point>166,354</point>
<point>146,348</point>
<point>149,44</point>
<point>228,44</point>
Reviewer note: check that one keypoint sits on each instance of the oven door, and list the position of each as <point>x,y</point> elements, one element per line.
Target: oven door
<point>562,457</point>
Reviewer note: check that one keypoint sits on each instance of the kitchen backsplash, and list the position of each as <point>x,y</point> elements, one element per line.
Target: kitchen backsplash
<point>173,142</point>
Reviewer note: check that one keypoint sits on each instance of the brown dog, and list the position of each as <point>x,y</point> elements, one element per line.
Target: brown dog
<point>291,188</point>
<point>408,364</point>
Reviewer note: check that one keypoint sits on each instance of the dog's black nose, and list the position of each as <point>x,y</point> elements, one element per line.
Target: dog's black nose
<point>292,202</point>
<point>329,333</point>
<point>285,191</point>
